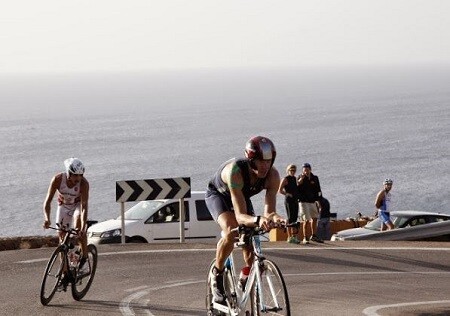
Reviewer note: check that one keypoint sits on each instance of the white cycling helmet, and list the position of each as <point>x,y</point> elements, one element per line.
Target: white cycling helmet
<point>387,181</point>
<point>74,166</point>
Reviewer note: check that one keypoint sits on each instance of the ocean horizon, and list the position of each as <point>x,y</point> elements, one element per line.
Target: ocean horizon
<point>356,127</point>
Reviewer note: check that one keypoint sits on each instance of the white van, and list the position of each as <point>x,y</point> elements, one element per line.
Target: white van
<point>158,221</point>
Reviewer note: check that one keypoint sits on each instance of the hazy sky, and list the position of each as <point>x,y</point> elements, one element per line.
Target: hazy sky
<point>139,35</point>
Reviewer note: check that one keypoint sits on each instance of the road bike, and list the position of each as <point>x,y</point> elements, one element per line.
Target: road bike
<point>65,260</point>
<point>265,290</point>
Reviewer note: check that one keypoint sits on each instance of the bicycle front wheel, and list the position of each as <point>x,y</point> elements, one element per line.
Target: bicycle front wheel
<point>52,275</point>
<point>83,281</point>
<point>272,297</point>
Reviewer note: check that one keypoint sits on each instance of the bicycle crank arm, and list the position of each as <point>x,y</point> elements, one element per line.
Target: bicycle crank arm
<point>221,308</point>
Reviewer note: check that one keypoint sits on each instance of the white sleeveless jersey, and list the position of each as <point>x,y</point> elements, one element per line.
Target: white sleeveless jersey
<point>69,197</point>
<point>386,206</point>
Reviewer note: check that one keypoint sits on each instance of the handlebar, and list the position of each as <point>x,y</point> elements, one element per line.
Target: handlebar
<point>247,230</point>
<point>71,231</point>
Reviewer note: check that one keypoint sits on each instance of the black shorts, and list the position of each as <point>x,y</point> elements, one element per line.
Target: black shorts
<point>291,209</point>
<point>219,203</point>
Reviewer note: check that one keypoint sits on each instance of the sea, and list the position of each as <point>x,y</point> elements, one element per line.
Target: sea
<point>356,126</point>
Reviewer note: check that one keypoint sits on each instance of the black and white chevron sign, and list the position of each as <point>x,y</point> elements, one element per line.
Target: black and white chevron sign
<point>153,189</point>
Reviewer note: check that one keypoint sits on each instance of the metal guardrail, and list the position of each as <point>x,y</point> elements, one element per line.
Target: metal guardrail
<point>418,232</point>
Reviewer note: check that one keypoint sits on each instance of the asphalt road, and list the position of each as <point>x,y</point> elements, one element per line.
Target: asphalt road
<point>335,278</point>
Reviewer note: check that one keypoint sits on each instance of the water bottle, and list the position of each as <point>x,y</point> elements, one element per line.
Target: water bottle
<point>243,277</point>
<point>74,256</point>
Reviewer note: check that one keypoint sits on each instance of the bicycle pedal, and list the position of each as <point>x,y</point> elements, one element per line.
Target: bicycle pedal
<point>221,308</point>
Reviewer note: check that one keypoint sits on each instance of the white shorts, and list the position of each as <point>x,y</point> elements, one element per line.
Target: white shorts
<point>65,216</point>
<point>308,211</point>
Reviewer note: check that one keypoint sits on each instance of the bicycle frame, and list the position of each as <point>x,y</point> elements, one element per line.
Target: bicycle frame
<point>69,267</point>
<point>239,297</point>
<point>265,285</point>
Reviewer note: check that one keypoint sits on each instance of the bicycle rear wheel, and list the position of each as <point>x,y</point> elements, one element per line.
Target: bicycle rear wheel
<point>275,300</point>
<point>52,275</point>
<point>83,282</point>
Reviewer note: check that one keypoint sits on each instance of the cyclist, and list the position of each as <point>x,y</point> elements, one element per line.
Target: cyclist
<point>228,200</point>
<point>73,196</point>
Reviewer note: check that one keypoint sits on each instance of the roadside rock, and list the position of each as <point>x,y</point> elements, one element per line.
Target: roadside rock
<point>30,242</point>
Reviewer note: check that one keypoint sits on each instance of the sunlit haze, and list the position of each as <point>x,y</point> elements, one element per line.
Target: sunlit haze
<point>140,35</point>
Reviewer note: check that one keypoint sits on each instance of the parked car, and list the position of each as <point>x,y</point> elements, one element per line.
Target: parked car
<point>158,221</point>
<point>409,225</point>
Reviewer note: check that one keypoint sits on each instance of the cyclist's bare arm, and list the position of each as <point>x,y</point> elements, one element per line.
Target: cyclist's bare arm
<point>54,185</point>
<point>379,199</point>
<point>232,176</point>
<point>84,190</point>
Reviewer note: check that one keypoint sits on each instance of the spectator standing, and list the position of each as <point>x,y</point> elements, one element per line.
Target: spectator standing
<point>383,204</point>
<point>323,224</point>
<point>309,193</point>
<point>288,187</point>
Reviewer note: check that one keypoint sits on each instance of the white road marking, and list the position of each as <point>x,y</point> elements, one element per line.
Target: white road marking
<point>113,253</point>
<point>127,310</point>
<point>366,273</point>
<point>372,310</point>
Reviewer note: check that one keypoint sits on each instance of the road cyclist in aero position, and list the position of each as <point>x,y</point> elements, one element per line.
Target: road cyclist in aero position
<point>228,200</point>
<point>73,196</point>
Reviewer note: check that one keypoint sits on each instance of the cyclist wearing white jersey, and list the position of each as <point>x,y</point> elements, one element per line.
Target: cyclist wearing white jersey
<point>73,196</point>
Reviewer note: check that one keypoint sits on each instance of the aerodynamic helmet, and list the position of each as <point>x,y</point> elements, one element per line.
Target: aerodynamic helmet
<point>74,166</point>
<point>387,181</point>
<point>260,147</point>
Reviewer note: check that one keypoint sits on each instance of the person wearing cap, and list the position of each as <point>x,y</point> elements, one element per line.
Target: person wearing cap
<point>309,193</point>
<point>383,204</point>
<point>288,188</point>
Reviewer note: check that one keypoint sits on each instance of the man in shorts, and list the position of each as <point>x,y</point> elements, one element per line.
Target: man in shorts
<point>73,196</point>
<point>228,200</point>
<point>309,193</point>
<point>383,204</point>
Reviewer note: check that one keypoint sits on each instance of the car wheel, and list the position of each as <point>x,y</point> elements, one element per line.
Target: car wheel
<point>137,240</point>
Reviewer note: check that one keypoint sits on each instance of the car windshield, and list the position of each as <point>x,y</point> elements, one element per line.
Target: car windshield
<point>142,210</point>
<point>376,223</point>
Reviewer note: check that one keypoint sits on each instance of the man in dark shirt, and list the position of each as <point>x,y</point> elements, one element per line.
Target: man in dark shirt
<point>288,187</point>
<point>309,193</point>
<point>323,224</point>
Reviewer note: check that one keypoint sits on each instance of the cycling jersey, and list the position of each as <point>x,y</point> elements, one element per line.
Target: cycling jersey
<point>69,197</point>
<point>218,196</point>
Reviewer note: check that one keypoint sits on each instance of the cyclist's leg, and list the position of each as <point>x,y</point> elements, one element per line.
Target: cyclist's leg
<point>82,243</point>
<point>248,255</point>
<point>227,221</point>
<point>82,238</point>
<point>220,208</point>
<point>64,219</point>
